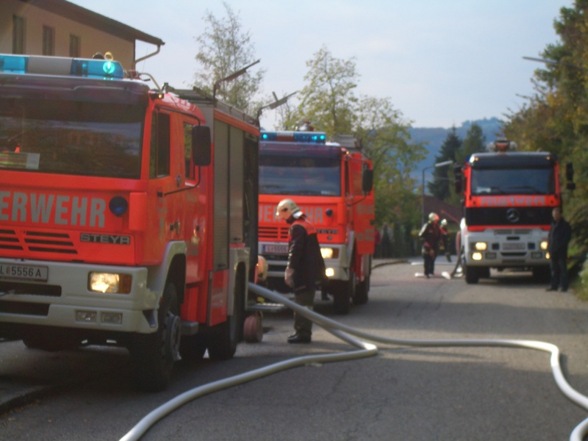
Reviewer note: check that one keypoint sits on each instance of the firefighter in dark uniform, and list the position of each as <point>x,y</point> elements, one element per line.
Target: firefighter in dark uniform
<point>431,235</point>
<point>306,267</point>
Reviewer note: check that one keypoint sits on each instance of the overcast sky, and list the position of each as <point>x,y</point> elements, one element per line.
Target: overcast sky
<point>440,62</point>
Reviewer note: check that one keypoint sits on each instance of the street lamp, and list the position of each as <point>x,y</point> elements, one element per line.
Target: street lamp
<point>437,165</point>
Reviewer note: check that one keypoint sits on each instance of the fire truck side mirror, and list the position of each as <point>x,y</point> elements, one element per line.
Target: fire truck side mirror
<point>570,184</point>
<point>367,180</point>
<point>201,145</point>
<point>458,178</point>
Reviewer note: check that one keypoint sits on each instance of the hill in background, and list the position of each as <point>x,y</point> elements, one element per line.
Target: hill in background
<point>433,138</point>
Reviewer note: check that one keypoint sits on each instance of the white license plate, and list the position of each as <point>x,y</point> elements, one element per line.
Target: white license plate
<point>24,272</point>
<point>513,246</point>
<point>275,249</point>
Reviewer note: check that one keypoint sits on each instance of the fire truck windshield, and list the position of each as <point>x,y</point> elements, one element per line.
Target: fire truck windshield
<point>72,137</point>
<point>299,175</point>
<point>512,181</point>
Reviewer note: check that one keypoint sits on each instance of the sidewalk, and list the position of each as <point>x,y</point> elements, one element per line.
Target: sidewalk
<point>388,261</point>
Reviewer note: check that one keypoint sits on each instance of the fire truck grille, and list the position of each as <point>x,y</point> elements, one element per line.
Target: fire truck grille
<point>272,233</point>
<point>30,288</point>
<point>508,216</point>
<point>36,241</point>
<point>24,308</point>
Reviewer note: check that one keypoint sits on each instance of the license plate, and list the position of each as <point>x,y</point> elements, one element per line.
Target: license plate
<point>513,246</point>
<point>275,249</point>
<point>24,272</point>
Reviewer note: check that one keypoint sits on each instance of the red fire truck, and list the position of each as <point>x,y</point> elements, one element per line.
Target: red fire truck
<point>127,214</point>
<point>508,197</point>
<point>332,184</point>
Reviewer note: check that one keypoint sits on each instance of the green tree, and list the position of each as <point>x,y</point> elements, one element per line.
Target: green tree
<point>329,102</point>
<point>555,119</point>
<point>441,185</point>
<point>328,98</point>
<point>386,138</point>
<point>225,48</point>
<point>474,142</point>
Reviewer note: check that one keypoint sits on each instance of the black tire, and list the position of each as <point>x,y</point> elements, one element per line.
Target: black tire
<point>225,337</point>
<point>192,347</point>
<point>343,291</point>
<point>154,355</point>
<point>471,274</point>
<point>362,292</point>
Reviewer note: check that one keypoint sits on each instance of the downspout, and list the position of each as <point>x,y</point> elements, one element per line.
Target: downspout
<point>147,56</point>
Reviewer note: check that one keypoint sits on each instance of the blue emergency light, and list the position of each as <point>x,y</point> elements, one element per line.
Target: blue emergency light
<point>81,67</point>
<point>289,136</point>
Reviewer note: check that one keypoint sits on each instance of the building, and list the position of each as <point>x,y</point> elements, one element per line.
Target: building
<point>61,28</point>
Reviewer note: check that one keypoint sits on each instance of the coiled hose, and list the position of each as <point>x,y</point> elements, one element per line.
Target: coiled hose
<point>365,349</point>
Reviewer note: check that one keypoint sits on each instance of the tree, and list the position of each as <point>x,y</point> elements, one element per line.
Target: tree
<point>440,187</point>
<point>329,101</point>
<point>224,49</point>
<point>474,142</point>
<point>328,98</point>
<point>556,118</point>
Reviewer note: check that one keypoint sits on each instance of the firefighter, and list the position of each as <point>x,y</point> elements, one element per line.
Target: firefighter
<point>560,235</point>
<point>431,235</point>
<point>306,266</point>
<point>445,238</point>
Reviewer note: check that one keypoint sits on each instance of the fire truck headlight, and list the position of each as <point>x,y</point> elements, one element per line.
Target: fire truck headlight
<point>480,246</point>
<point>330,253</point>
<point>110,283</point>
<point>543,245</point>
<point>476,256</point>
<point>329,272</point>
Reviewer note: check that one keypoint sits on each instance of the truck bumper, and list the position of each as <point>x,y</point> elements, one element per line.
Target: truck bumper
<point>64,299</point>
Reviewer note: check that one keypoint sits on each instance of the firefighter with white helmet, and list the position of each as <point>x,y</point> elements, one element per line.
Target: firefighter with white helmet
<point>306,266</point>
<point>445,238</point>
<point>431,235</point>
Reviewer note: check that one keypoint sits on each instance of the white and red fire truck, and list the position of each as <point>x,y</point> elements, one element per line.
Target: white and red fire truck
<point>508,197</point>
<point>332,184</point>
<point>127,214</point>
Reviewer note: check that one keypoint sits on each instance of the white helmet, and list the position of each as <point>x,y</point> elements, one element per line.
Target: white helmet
<point>433,217</point>
<point>443,222</point>
<point>287,206</point>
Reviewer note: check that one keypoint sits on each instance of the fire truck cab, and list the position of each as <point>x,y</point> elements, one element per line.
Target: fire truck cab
<point>126,214</point>
<point>332,183</point>
<point>508,197</point>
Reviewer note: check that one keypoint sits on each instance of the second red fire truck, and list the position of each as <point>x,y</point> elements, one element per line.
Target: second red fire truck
<point>332,184</point>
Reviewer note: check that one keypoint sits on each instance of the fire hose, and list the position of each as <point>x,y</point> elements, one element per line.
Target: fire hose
<point>364,349</point>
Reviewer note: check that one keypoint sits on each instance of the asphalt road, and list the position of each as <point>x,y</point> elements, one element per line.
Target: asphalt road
<point>405,392</point>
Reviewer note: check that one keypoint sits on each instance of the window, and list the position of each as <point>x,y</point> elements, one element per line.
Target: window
<point>48,40</point>
<point>18,35</point>
<point>188,151</point>
<point>75,45</point>
<point>160,149</point>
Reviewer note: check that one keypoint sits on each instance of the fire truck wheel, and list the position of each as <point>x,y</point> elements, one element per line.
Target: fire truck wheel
<point>472,274</point>
<point>225,337</point>
<point>192,347</point>
<point>154,354</point>
<point>361,292</point>
<point>343,291</point>
<point>253,329</point>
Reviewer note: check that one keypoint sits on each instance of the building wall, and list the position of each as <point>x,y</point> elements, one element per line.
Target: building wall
<point>91,40</point>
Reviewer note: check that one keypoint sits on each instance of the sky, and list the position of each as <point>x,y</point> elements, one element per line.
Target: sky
<point>439,62</point>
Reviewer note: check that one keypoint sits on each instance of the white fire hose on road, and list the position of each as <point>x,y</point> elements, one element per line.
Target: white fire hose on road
<point>365,349</point>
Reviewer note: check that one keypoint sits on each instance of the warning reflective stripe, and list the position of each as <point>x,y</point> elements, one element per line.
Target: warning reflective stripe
<point>42,208</point>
